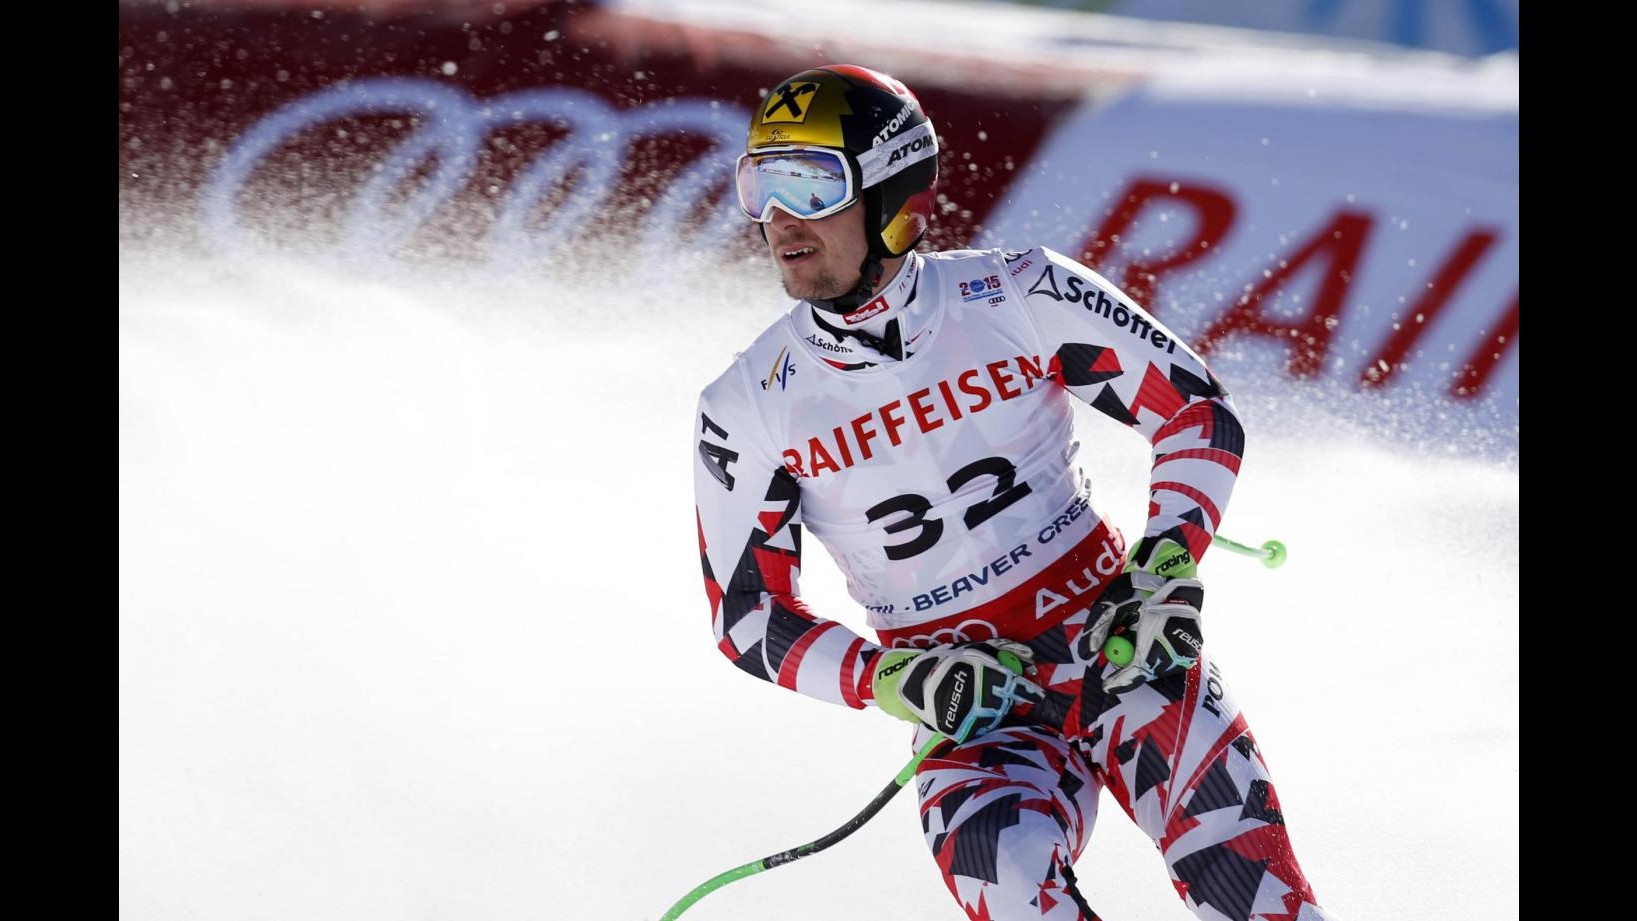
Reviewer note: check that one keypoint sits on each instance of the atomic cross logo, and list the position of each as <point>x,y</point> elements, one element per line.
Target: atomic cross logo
<point>785,105</point>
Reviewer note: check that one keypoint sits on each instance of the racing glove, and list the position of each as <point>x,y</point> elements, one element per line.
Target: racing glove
<point>1154,604</point>
<point>961,690</point>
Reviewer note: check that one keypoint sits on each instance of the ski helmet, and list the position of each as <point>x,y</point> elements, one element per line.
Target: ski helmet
<point>883,138</point>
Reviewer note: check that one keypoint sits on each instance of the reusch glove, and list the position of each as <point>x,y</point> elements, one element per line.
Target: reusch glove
<point>1155,604</point>
<point>961,690</point>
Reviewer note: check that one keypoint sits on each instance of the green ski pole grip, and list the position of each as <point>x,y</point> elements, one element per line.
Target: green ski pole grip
<point>1272,553</point>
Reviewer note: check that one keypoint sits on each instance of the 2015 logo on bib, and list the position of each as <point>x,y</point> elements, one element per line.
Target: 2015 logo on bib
<point>977,288</point>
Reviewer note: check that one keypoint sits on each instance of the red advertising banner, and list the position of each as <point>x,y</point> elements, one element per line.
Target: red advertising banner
<point>290,109</point>
<point>1346,228</point>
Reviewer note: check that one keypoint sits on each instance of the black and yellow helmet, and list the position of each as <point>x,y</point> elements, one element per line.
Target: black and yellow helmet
<point>888,154</point>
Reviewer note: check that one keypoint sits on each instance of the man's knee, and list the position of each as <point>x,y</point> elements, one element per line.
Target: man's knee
<point>1010,864</point>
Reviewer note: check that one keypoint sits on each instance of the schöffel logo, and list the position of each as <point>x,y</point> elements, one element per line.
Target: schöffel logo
<point>782,369</point>
<point>828,346</point>
<point>424,171</point>
<point>1083,292</point>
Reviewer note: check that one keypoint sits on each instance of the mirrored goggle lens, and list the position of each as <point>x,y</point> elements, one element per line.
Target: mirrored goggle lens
<point>807,183</point>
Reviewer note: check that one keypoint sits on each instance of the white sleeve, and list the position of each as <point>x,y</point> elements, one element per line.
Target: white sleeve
<point>749,515</point>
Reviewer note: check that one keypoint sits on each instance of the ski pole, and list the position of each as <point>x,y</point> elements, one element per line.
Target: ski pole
<point>812,847</point>
<point>1271,553</point>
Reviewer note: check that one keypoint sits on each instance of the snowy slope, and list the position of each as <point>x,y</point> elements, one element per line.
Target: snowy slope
<point>411,627</point>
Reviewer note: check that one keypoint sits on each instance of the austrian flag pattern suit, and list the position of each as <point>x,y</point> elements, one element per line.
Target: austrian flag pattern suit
<point>927,440</point>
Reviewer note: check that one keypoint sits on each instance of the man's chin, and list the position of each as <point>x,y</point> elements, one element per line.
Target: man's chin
<point>823,288</point>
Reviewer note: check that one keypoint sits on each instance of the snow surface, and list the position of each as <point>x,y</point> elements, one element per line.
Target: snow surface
<point>412,625</point>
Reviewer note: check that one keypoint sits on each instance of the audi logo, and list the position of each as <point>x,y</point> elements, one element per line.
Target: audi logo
<point>964,632</point>
<point>452,129</point>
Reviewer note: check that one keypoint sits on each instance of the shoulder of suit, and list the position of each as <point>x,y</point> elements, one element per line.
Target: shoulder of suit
<point>769,345</point>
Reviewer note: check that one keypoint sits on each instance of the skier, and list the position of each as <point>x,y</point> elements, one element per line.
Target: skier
<point>911,410</point>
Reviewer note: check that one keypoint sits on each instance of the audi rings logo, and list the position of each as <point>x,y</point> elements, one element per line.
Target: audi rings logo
<point>402,194</point>
<point>964,632</point>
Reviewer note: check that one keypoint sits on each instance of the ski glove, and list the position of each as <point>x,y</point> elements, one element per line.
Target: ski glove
<point>1154,604</point>
<point>961,690</point>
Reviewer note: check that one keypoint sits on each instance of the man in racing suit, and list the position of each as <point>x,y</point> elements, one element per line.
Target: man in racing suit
<point>912,410</point>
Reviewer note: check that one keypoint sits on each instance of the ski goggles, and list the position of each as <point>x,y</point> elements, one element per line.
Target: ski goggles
<point>808,182</point>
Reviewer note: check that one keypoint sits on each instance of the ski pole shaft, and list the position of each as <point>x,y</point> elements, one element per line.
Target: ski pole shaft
<point>1118,648</point>
<point>812,847</point>
<point>1271,553</point>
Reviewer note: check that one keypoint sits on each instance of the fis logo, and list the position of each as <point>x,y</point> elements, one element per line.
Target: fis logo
<point>783,367</point>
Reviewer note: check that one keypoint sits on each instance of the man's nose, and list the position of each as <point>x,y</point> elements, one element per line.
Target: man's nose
<point>784,220</point>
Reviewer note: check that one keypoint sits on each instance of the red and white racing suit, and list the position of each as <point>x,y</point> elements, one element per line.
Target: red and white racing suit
<point>944,484</point>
